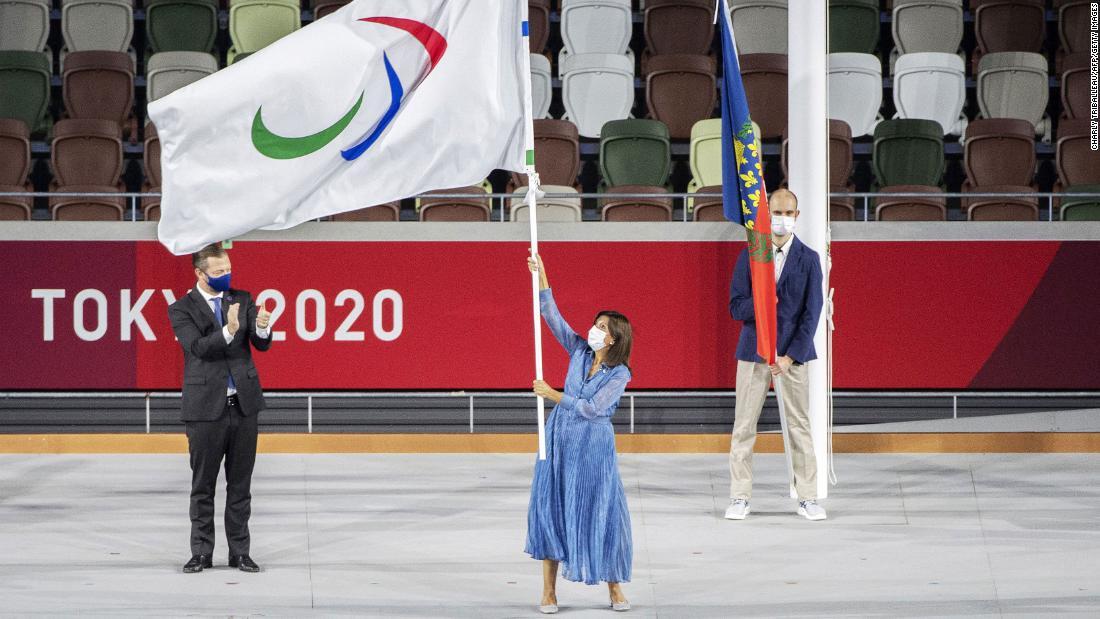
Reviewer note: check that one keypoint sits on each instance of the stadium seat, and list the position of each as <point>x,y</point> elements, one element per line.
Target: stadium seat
<point>1082,208</point>
<point>389,211</point>
<point>1016,208</point>
<point>151,157</point>
<point>542,86</point>
<point>681,89</point>
<point>759,26</point>
<point>999,151</point>
<point>86,151</point>
<point>255,24</point>
<point>908,151</point>
<point>931,85</point>
<point>181,25</point>
<point>25,88</point>
<point>924,208</point>
<point>538,21</point>
<point>90,25</point>
<point>99,84</point>
<point>87,208</point>
<point>1073,27</point>
<point>855,90</point>
<point>596,27</point>
<point>1008,26</point>
<point>322,8</point>
<point>840,155</point>
<point>549,208</point>
<point>707,208</point>
<point>651,208</point>
<point>150,206</point>
<point>169,71</point>
<point>678,26</point>
<point>15,208</point>
<point>1075,160</point>
<point>1015,85</point>
<point>765,80</point>
<point>1075,86</point>
<point>24,25</point>
<point>842,209</point>
<point>853,26</point>
<point>239,57</point>
<point>927,26</point>
<point>634,152</point>
<point>15,152</point>
<point>557,153</point>
<point>596,88</point>
<point>705,154</point>
<point>474,208</point>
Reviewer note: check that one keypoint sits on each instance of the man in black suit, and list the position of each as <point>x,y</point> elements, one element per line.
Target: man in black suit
<point>217,327</point>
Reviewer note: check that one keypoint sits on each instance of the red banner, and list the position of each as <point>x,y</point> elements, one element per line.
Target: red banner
<point>456,315</point>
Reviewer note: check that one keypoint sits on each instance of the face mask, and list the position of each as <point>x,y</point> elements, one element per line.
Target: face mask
<point>782,226</point>
<point>595,338</point>
<point>220,284</point>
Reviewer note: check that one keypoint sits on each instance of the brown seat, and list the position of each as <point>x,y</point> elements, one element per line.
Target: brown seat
<point>678,26</point>
<point>709,208</point>
<point>1008,26</point>
<point>86,151</point>
<point>765,80</point>
<point>1077,163</point>
<point>930,208</point>
<point>557,153</point>
<point>1075,86</point>
<point>841,209</point>
<point>992,208</point>
<point>999,151</point>
<point>322,8</point>
<point>87,208</point>
<point>840,155</point>
<point>475,208</point>
<point>150,206</point>
<point>151,156</point>
<point>1073,27</point>
<point>99,84</point>
<point>538,23</point>
<point>390,211</point>
<point>15,208</point>
<point>681,90</point>
<point>636,209</point>
<point>15,151</point>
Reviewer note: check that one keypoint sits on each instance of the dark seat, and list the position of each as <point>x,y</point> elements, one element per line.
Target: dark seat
<point>538,23</point>
<point>1077,163</point>
<point>150,206</point>
<point>765,80</point>
<point>1082,208</point>
<point>840,155</point>
<point>390,211</point>
<point>908,151</point>
<point>99,84</point>
<point>634,152</point>
<point>557,153</point>
<point>15,208</point>
<point>151,156</point>
<point>636,209</point>
<point>87,208</point>
<point>999,151</point>
<point>1075,86</point>
<point>841,209</point>
<point>181,25</point>
<point>681,90</point>
<point>990,208</point>
<point>1008,26</point>
<point>709,208</point>
<point>474,208</point>
<point>678,26</point>
<point>86,151</point>
<point>15,152</point>
<point>1073,28</point>
<point>930,208</point>
<point>25,88</point>
<point>322,8</point>
<point>853,26</point>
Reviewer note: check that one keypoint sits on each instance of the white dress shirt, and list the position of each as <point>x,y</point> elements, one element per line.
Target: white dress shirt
<point>781,256</point>
<point>261,333</point>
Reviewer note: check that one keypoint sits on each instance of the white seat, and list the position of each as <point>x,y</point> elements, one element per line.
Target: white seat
<point>931,85</point>
<point>759,26</point>
<point>927,26</point>
<point>169,71</point>
<point>597,88</point>
<point>24,25</point>
<point>542,88</point>
<point>596,27</point>
<point>549,208</point>
<point>1015,85</point>
<point>855,90</point>
<point>106,25</point>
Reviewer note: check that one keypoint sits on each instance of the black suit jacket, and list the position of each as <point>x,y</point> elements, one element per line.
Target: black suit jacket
<point>207,358</point>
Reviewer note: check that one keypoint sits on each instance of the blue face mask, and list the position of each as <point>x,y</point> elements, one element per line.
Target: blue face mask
<point>220,284</point>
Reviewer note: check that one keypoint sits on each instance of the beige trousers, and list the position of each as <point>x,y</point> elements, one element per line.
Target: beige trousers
<point>753,380</point>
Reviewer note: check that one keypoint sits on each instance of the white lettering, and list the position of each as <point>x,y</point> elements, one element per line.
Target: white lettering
<point>398,320</point>
<point>280,306</point>
<point>131,315</point>
<point>343,332</point>
<point>47,295</point>
<point>318,299</point>
<point>81,298</point>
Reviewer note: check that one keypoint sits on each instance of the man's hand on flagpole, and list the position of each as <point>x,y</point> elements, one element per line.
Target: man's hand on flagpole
<point>544,390</point>
<point>782,364</point>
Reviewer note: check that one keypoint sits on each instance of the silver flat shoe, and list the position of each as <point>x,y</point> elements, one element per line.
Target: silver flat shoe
<point>548,609</point>
<point>620,606</point>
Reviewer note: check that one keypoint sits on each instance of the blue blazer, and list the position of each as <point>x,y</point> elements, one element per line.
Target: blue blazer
<point>800,301</point>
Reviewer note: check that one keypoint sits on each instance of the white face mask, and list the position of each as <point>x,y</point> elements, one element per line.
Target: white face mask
<point>595,337</point>
<point>782,226</point>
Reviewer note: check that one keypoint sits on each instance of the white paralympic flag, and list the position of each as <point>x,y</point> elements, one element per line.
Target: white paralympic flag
<point>381,100</point>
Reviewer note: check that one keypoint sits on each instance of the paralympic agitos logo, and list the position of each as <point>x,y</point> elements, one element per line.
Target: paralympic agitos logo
<point>282,147</point>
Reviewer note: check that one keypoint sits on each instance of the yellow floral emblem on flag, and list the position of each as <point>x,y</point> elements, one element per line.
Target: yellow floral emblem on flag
<point>749,178</point>
<point>739,152</point>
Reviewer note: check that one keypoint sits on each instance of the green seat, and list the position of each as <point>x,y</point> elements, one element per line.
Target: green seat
<point>634,152</point>
<point>25,88</point>
<point>181,25</point>
<point>1082,209</point>
<point>853,26</point>
<point>255,24</point>
<point>908,151</point>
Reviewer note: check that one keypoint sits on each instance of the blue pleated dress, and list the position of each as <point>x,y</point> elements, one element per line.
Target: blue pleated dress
<point>578,513</point>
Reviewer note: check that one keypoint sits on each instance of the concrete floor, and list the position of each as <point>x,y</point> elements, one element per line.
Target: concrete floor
<point>442,536</point>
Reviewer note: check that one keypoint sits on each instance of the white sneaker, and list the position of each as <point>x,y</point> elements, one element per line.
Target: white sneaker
<point>738,509</point>
<point>810,510</point>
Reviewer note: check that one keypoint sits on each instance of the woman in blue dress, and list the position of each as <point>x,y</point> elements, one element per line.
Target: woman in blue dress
<point>578,516</point>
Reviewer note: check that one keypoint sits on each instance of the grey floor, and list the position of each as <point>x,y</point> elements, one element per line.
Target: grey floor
<point>442,536</point>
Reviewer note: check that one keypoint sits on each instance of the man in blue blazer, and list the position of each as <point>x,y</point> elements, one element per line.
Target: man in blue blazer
<point>798,288</point>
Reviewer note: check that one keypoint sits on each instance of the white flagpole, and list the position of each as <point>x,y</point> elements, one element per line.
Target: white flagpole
<point>533,192</point>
